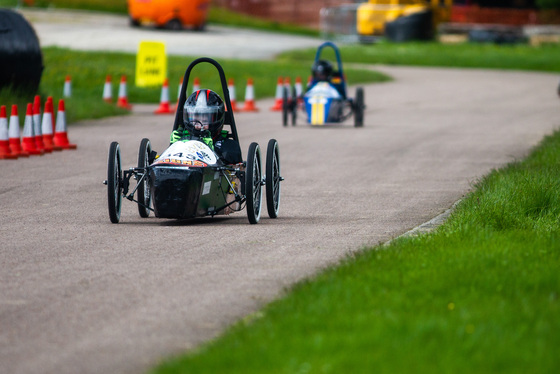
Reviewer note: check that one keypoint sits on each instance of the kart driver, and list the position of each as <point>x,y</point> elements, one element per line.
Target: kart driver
<point>322,71</point>
<point>203,120</point>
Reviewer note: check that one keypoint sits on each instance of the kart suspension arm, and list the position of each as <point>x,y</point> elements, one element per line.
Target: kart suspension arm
<point>126,182</point>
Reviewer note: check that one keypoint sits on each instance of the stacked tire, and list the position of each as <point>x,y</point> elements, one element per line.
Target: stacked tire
<point>21,59</point>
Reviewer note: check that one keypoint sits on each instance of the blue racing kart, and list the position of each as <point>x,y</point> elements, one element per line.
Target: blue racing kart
<point>325,100</point>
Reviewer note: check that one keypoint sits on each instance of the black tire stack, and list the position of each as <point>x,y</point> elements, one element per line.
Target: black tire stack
<point>21,59</point>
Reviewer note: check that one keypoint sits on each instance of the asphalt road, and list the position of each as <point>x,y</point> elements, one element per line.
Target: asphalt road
<point>81,295</point>
<point>99,31</point>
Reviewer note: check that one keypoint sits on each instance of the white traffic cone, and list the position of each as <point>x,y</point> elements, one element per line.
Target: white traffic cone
<point>67,91</point>
<point>37,125</point>
<point>179,90</point>
<point>108,90</point>
<point>28,138</point>
<point>232,99</point>
<point>279,95</point>
<point>47,127</point>
<point>122,101</point>
<point>196,84</point>
<point>299,89</point>
<point>14,134</point>
<point>60,133</point>
<point>164,107</point>
<point>5,151</point>
<point>249,105</point>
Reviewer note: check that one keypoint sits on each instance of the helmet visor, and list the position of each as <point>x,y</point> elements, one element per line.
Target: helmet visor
<point>203,115</point>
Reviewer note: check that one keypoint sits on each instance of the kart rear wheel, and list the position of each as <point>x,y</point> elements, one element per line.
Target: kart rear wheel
<point>253,183</point>
<point>114,182</point>
<point>294,106</point>
<point>144,195</point>
<point>359,108</point>
<point>285,106</point>
<point>272,178</point>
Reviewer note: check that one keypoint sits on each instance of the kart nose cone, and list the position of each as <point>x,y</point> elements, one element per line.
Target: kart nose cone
<point>175,191</point>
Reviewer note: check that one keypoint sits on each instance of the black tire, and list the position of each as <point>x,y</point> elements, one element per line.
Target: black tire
<point>294,106</point>
<point>174,25</point>
<point>201,27</point>
<point>21,65</point>
<point>272,178</point>
<point>144,193</point>
<point>133,22</point>
<point>114,182</point>
<point>359,108</point>
<point>253,185</point>
<point>285,106</point>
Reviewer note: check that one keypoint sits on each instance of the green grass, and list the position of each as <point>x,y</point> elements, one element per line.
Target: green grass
<point>89,69</point>
<point>465,55</point>
<point>478,295</point>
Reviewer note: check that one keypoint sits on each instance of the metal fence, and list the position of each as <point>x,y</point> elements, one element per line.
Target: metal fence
<point>339,23</point>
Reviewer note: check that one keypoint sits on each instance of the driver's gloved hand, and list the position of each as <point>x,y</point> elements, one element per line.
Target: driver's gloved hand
<point>176,135</point>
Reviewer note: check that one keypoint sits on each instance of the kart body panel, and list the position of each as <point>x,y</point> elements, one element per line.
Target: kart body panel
<point>186,181</point>
<point>323,103</point>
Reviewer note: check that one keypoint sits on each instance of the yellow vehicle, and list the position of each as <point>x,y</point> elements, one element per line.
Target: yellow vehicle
<point>169,14</point>
<point>412,19</point>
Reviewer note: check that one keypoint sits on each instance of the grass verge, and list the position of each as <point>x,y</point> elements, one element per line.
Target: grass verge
<point>465,55</point>
<point>89,69</point>
<point>479,294</point>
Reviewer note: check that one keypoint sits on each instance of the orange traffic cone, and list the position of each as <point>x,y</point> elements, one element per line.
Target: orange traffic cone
<point>47,127</point>
<point>14,135</point>
<point>249,105</point>
<point>5,151</point>
<point>28,139</point>
<point>60,134</point>
<point>164,107</point>
<point>67,90</point>
<point>279,95</point>
<point>108,90</point>
<point>37,125</point>
<point>122,101</point>
<point>232,99</point>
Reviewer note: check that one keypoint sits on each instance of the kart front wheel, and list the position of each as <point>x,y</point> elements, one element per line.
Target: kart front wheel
<point>359,108</point>
<point>272,178</point>
<point>144,196</point>
<point>114,182</point>
<point>253,183</point>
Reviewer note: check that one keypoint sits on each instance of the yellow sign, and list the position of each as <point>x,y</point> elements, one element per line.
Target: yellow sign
<point>151,64</point>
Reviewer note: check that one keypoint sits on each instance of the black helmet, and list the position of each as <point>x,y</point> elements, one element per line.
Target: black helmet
<point>204,111</point>
<point>322,70</point>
